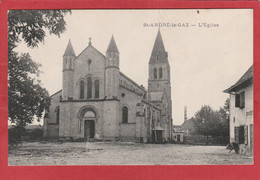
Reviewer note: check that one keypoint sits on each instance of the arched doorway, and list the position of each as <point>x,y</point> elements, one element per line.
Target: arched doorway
<point>88,116</point>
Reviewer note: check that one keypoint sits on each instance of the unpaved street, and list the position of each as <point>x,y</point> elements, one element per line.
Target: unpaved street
<point>119,153</point>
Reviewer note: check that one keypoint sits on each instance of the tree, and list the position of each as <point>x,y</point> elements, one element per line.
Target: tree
<point>207,121</point>
<point>224,119</point>
<point>26,96</point>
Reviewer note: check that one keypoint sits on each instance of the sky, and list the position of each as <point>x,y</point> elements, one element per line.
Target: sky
<point>204,61</point>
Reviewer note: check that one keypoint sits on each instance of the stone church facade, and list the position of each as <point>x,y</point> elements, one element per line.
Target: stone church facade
<point>99,102</point>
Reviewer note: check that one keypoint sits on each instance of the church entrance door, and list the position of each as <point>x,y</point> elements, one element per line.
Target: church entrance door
<point>89,130</point>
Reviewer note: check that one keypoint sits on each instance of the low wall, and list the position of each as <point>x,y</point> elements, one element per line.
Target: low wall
<point>204,140</point>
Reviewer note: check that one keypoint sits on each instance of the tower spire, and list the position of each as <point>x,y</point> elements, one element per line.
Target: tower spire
<point>158,44</point>
<point>112,45</point>
<point>69,50</point>
<point>158,53</point>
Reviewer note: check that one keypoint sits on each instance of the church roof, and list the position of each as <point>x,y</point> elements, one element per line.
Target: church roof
<point>69,50</point>
<point>247,76</point>
<point>156,96</point>
<point>112,45</point>
<point>158,53</point>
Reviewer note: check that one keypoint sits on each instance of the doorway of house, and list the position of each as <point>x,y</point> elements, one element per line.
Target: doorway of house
<point>157,136</point>
<point>178,138</point>
<point>89,130</point>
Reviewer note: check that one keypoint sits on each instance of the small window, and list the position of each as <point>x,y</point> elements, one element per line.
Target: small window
<point>57,113</point>
<point>155,73</point>
<point>82,89</point>
<point>96,88</point>
<point>124,114</point>
<point>157,57</point>
<point>89,88</point>
<point>160,73</point>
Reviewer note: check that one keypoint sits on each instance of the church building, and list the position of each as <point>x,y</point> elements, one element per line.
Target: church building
<point>99,102</point>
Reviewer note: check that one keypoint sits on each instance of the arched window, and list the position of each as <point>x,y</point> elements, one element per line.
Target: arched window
<point>82,88</point>
<point>155,73</point>
<point>89,88</point>
<point>69,63</point>
<point>160,73</point>
<point>57,112</point>
<point>96,88</point>
<point>124,114</point>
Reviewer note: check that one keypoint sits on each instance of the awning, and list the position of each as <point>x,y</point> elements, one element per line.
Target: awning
<point>158,128</point>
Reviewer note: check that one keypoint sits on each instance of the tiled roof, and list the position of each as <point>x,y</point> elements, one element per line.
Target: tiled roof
<point>188,124</point>
<point>69,50</point>
<point>247,76</point>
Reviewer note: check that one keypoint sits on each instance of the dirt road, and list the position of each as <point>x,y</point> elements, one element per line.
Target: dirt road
<point>119,153</point>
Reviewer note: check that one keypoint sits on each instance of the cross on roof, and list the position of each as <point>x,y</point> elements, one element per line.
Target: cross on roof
<point>89,41</point>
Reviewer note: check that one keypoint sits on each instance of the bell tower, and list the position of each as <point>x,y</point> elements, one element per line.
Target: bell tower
<point>112,70</point>
<point>159,68</point>
<point>68,72</point>
<point>111,103</point>
<point>159,74</point>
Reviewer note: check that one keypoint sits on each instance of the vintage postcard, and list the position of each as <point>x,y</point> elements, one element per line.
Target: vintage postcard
<point>146,87</point>
<point>135,82</point>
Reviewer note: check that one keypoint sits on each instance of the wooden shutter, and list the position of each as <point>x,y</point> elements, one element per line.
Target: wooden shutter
<point>242,100</point>
<point>241,135</point>
<point>237,100</point>
<point>246,134</point>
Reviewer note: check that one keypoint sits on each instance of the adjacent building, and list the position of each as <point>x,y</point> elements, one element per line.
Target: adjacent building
<point>241,112</point>
<point>98,101</point>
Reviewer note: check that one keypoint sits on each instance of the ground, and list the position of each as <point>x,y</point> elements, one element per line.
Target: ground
<point>119,153</point>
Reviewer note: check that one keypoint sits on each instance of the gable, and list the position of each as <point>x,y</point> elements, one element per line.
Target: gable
<point>244,81</point>
<point>89,62</point>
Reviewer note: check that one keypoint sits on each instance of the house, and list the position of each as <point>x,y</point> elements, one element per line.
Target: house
<point>98,101</point>
<point>188,126</point>
<point>178,134</point>
<point>241,112</point>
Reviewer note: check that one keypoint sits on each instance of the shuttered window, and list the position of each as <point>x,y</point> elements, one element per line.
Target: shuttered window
<point>241,135</point>
<point>240,100</point>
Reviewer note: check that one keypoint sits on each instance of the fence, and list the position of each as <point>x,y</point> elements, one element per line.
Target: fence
<point>204,140</point>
